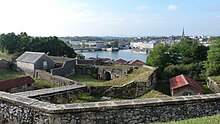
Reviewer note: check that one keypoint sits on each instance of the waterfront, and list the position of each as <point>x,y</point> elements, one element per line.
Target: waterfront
<point>128,55</point>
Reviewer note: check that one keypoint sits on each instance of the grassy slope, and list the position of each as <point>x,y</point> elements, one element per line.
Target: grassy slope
<point>140,74</point>
<point>215,119</point>
<point>9,74</point>
<point>4,56</point>
<point>216,78</point>
<point>39,84</point>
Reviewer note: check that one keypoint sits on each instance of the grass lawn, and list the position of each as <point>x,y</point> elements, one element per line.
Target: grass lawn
<point>215,119</point>
<point>83,98</point>
<point>140,74</point>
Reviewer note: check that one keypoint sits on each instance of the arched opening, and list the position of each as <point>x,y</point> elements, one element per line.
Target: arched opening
<point>107,75</point>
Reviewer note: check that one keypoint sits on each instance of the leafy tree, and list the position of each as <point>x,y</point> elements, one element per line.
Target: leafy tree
<point>159,56</point>
<point>194,70</point>
<point>52,46</point>
<point>187,51</point>
<point>213,61</point>
<point>24,42</point>
<point>9,42</point>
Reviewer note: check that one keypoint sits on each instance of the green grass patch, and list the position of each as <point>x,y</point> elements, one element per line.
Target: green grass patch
<point>215,119</point>
<point>153,94</point>
<point>41,84</point>
<point>9,74</point>
<point>86,79</point>
<point>83,98</point>
<point>206,88</point>
<point>5,56</point>
<point>140,74</point>
<point>216,78</point>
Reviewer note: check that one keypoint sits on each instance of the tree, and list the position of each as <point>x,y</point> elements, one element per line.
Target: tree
<point>213,58</point>
<point>9,42</point>
<point>24,42</point>
<point>187,51</point>
<point>159,56</point>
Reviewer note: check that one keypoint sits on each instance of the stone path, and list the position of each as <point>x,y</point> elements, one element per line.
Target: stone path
<point>48,91</point>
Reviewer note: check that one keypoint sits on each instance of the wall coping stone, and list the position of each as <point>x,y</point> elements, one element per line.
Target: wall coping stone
<point>42,92</point>
<point>106,105</point>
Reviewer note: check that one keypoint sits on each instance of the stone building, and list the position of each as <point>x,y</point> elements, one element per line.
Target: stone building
<point>182,85</point>
<point>17,85</point>
<point>28,62</point>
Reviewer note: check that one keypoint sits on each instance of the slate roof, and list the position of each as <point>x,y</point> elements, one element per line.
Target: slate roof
<point>30,57</point>
<point>8,84</point>
<point>182,80</point>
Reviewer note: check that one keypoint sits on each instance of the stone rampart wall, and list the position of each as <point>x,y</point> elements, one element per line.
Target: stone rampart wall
<point>53,78</point>
<point>67,69</point>
<point>29,111</point>
<point>134,88</point>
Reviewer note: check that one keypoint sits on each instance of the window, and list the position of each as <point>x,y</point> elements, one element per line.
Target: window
<point>187,93</point>
<point>45,64</point>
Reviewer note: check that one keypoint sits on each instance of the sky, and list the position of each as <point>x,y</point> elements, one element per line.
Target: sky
<point>110,17</point>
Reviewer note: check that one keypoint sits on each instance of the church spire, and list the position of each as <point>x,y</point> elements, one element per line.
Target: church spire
<point>183,33</point>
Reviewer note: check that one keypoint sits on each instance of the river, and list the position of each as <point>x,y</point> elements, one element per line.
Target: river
<point>127,54</point>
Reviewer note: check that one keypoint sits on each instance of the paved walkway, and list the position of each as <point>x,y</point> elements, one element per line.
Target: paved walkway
<point>49,91</point>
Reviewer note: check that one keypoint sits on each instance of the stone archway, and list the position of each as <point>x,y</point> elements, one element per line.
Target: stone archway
<point>107,75</point>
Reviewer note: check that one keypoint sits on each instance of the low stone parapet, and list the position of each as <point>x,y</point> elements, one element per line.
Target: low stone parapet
<point>25,110</point>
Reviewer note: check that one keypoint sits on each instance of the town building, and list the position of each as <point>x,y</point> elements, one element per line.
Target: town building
<point>143,45</point>
<point>28,62</point>
<point>136,63</point>
<point>182,85</point>
<point>121,61</point>
<point>99,45</point>
<point>17,85</point>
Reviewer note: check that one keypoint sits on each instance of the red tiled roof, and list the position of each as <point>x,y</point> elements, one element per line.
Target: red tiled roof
<point>136,62</point>
<point>121,61</point>
<point>182,80</point>
<point>8,84</point>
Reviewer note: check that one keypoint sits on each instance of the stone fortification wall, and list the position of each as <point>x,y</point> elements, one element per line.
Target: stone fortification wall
<point>134,88</point>
<point>115,72</point>
<point>67,69</point>
<point>56,95</point>
<point>29,111</point>
<point>53,78</point>
<point>83,69</point>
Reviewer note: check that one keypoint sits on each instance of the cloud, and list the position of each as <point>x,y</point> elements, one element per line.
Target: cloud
<point>141,7</point>
<point>172,7</point>
<point>80,5</point>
